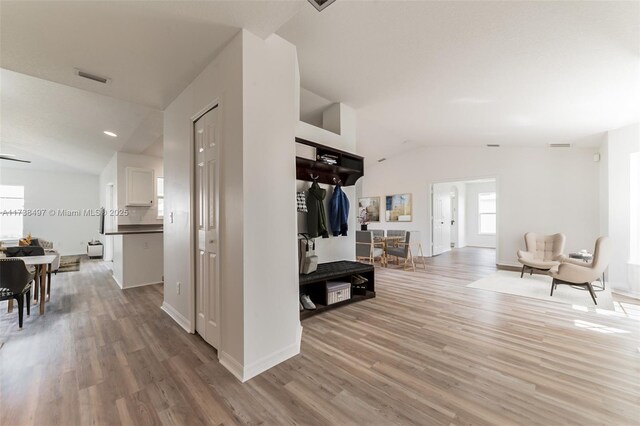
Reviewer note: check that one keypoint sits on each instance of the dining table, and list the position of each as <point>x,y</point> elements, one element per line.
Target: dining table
<point>43,264</point>
<point>386,240</point>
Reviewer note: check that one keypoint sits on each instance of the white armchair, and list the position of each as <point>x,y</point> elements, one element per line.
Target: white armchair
<point>48,249</point>
<point>583,274</point>
<point>543,252</point>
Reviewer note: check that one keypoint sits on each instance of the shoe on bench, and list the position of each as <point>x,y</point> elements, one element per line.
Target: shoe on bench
<point>306,302</point>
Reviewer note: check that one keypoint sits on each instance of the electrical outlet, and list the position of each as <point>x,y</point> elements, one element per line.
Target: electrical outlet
<point>178,287</point>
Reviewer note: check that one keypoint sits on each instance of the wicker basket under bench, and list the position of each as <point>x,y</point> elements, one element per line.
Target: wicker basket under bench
<point>315,284</point>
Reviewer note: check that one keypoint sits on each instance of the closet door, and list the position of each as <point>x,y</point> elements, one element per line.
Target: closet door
<point>207,149</point>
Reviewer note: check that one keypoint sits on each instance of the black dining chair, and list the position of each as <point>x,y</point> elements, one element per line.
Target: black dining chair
<point>15,283</point>
<point>24,251</point>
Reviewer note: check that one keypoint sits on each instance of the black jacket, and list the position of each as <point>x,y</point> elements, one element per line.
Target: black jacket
<point>316,216</point>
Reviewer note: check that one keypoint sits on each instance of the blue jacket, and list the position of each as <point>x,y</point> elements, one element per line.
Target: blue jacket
<point>339,212</point>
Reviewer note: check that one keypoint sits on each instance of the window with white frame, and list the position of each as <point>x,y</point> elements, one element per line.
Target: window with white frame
<point>160,196</point>
<point>487,213</point>
<point>11,206</point>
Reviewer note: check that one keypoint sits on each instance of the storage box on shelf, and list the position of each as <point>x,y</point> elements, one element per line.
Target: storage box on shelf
<point>318,284</point>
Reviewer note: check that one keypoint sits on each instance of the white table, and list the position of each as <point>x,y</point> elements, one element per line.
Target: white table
<point>44,263</point>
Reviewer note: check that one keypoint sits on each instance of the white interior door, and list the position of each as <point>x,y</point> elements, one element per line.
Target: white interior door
<point>441,221</point>
<point>454,221</point>
<point>109,223</point>
<point>206,221</point>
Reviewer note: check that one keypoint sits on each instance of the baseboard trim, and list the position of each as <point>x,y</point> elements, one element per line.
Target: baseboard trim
<point>518,268</point>
<point>176,316</point>
<point>508,267</point>
<point>140,285</point>
<point>623,293</point>
<point>116,281</point>
<point>247,372</point>
<point>231,364</point>
<point>265,363</point>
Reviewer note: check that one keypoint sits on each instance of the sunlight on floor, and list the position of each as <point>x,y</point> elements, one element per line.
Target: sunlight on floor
<point>597,327</point>
<point>622,310</point>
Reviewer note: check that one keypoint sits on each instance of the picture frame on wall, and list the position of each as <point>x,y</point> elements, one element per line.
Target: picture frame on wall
<point>398,208</point>
<point>369,209</point>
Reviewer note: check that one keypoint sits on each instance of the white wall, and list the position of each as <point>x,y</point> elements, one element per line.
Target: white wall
<point>312,107</point>
<point>623,274</point>
<point>540,189</point>
<point>271,83</point>
<point>474,238</point>
<point>137,260</point>
<point>57,190</point>
<point>256,83</point>
<point>341,120</point>
<point>220,81</point>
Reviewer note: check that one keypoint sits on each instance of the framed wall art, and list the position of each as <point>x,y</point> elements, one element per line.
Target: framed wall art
<point>369,209</point>
<point>398,208</point>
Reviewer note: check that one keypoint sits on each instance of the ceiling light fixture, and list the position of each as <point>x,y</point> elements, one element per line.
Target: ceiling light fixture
<point>321,4</point>
<point>108,133</point>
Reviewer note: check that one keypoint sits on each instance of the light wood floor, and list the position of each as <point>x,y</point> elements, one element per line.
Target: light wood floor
<point>427,350</point>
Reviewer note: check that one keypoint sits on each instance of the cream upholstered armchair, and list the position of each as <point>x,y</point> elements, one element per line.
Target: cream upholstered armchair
<point>583,274</point>
<point>543,253</point>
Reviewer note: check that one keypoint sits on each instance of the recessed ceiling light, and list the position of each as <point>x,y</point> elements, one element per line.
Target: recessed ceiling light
<point>108,133</point>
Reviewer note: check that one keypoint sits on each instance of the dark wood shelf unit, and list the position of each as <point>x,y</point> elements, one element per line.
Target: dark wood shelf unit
<point>348,169</point>
<point>314,284</point>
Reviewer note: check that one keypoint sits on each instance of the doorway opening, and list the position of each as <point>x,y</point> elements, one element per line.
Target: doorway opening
<point>109,220</point>
<point>464,213</point>
<point>206,139</point>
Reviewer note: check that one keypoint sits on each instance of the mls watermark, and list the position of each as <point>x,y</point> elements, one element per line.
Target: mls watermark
<point>64,212</point>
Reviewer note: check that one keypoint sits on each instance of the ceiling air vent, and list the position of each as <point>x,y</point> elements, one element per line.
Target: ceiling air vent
<point>493,145</point>
<point>93,77</point>
<point>321,4</point>
<point>559,145</point>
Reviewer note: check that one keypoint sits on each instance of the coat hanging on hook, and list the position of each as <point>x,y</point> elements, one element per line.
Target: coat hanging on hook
<point>339,212</point>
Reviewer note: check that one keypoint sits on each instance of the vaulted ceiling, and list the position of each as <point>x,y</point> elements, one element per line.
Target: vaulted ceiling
<point>471,73</point>
<point>418,73</point>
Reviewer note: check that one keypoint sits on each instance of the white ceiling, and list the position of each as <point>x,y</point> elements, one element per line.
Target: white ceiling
<point>151,50</point>
<point>470,73</point>
<point>60,128</point>
<point>417,73</point>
